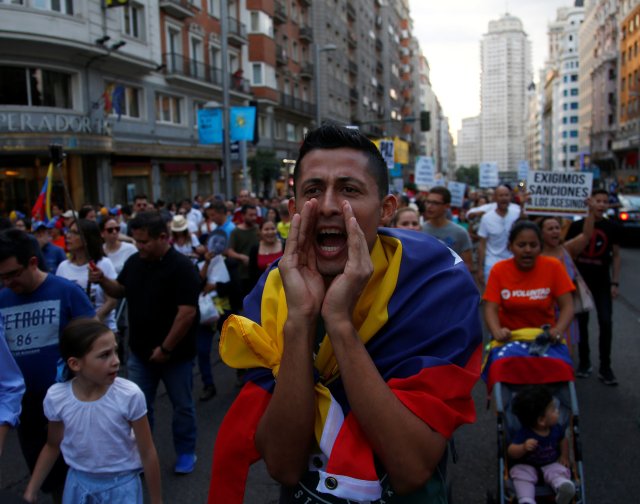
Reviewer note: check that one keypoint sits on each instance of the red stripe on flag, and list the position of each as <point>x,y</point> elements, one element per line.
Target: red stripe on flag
<point>529,370</point>
<point>235,448</point>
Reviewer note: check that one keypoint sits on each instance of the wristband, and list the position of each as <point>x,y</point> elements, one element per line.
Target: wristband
<point>164,350</point>
<point>617,284</point>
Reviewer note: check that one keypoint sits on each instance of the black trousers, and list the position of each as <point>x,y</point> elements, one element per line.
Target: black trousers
<point>604,309</point>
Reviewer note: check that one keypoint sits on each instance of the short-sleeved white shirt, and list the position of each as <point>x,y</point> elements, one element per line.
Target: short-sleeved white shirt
<point>495,229</point>
<point>80,276</point>
<point>98,437</point>
<point>120,256</point>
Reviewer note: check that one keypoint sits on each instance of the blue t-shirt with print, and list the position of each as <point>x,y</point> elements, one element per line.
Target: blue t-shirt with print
<point>548,450</point>
<point>33,323</point>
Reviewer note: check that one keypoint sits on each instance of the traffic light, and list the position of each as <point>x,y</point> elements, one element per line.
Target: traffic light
<point>425,120</point>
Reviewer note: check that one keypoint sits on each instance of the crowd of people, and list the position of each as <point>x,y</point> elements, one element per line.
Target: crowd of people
<point>339,279</point>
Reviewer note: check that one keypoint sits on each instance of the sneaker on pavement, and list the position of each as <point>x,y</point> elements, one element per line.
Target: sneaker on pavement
<point>565,492</point>
<point>584,371</point>
<point>208,392</point>
<point>186,463</point>
<point>607,377</point>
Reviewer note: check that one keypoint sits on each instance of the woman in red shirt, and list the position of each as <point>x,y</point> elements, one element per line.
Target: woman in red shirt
<point>269,249</point>
<point>522,291</point>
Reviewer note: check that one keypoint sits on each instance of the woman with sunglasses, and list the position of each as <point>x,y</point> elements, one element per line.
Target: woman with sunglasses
<point>85,254</point>
<point>117,251</point>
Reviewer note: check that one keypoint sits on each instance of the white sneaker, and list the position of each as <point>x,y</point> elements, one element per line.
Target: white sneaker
<point>565,492</point>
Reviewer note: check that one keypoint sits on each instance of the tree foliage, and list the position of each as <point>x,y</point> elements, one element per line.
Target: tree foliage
<point>264,167</point>
<point>468,174</point>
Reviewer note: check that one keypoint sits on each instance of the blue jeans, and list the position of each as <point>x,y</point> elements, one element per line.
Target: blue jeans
<point>178,380</point>
<point>205,342</point>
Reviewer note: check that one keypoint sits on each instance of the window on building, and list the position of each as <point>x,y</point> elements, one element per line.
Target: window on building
<point>255,21</point>
<point>574,105</point>
<point>168,109</point>
<point>564,134</point>
<point>196,58</point>
<point>256,74</point>
<point>573,148</point>
<point>564,120</point>
<point>573,134</point>
<point>291,132</point>
<point>61,6</point>
<point>133,20</point>
<point>213,7</point>
<point>574,92</point>
<point>35,87</point>
<point>279,132</point>
<point>573,119</point>
<point>130,104</point>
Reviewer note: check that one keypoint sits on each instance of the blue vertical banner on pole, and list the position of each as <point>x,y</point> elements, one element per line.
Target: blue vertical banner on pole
<point>243,120</point>
<point>210,126</point>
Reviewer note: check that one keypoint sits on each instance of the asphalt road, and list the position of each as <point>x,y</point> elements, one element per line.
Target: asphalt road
<point>610,419</point>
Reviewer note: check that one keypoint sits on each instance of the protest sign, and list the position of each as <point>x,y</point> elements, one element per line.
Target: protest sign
<point>386,149</point>
<point>457,193</point>
<point>488,176</point>
<point>558,193</point>
<point>425,177</point>
<point>523,170</point>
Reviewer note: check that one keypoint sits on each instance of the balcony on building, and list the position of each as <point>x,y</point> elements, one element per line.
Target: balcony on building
<point>196,74</point>
<point>237,31</point>
<point>306,71</point>
<point>306,33</point>
<point>352,40</point>
<point>293,104</point>
<point>279,12</point>
<point>354,95</point>
<point>179,9</point>
<point>353,67</point>
<point>379,67</point>
<point>281,55</point>
<point>378,45</point>
<point>380,89</point>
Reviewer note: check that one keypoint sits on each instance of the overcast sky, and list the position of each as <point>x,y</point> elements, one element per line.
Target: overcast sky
<point>450,31</point>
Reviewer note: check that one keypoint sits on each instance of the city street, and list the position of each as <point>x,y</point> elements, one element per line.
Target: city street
<point>610,420</point>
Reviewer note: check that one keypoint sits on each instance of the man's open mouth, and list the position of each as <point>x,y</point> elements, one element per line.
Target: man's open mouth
<point>331,240</point>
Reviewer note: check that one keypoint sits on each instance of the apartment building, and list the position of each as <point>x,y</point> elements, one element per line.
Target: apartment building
<point>505,76</point>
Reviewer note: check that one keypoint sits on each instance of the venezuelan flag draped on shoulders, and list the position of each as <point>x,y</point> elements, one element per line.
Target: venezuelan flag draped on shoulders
<point>418,317</point>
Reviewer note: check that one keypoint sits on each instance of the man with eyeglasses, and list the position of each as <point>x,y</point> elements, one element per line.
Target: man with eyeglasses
<point>35,307</point>
<point>437,224</point>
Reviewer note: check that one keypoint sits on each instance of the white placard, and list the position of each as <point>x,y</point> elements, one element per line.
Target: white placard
<point>555,193</point>
<point>523,170</point>
<point>425,173</point>
<point>457,193</point>
<point>386,149</point>
<point>488,176</point>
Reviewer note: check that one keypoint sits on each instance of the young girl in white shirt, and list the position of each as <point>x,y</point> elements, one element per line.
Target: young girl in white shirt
<point>99,422</point>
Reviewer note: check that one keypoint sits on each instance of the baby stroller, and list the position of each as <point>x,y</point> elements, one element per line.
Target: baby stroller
<point>531,358</point>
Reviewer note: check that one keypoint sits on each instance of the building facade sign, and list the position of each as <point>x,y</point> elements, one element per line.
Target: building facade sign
<point>34,122</point>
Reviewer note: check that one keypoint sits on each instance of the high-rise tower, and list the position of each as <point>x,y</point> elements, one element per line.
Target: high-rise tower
<point>505,75</point>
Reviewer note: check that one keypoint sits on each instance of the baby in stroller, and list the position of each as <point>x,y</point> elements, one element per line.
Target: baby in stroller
<point>539,444</point>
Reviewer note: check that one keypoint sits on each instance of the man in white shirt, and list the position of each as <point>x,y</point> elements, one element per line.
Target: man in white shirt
<point>494,233</point>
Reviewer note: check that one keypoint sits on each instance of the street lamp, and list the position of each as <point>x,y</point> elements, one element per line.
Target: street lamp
<point>318,50</point>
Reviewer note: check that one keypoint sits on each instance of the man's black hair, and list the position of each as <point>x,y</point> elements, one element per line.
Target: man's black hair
<point>248,206</point>
<point>442,191</point>
<point>530,404</point>
<point>18,244</point>
<point>152,221</point>
<point>140,196</point>
<point>332,136</point>
<point>600,191</point>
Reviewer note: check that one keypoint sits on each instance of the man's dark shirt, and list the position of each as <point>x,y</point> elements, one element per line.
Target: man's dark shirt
<point>154,290</point>
<point>594,262</point>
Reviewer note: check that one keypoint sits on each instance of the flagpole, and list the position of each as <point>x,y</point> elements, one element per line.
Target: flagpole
<point>226,122</point>
<point>57,154</point>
